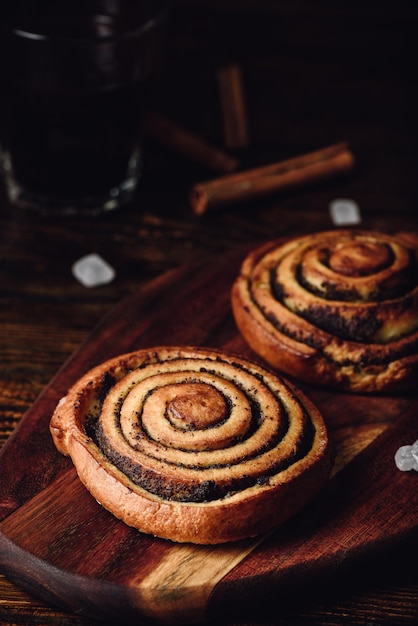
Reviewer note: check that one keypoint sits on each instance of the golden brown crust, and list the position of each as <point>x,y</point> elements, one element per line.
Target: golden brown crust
<point>337,308</point>
<point>193,445</point>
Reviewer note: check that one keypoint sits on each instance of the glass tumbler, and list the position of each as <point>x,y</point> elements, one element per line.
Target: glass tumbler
<point>74,79</point>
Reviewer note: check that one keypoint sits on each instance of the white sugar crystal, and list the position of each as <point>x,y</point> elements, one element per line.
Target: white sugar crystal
<point>404,459</point>
<point>91,271</point>
<point>344,211</point>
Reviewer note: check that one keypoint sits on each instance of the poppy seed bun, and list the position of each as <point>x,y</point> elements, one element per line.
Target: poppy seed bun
<point>337,308</point>
<point>193,445</point>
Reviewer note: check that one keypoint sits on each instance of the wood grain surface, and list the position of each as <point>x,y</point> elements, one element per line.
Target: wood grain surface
<point>60,545</point>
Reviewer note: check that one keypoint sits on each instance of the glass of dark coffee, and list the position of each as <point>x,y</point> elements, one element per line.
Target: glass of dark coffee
<point>73,76</point>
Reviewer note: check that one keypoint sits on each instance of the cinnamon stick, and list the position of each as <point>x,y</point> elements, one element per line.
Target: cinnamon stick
<point>282,176</point>
<point>233,106</point>
<point>189,145</point>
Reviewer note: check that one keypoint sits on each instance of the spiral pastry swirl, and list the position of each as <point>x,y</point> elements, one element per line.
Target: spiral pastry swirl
<point>193,445</point>
<point>336,308</point>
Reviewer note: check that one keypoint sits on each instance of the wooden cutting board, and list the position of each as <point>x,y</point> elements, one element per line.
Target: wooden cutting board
<point>59,544</point>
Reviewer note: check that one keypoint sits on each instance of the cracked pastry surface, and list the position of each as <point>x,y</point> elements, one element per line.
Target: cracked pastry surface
<point>192,444</point>
<point>336,308</point>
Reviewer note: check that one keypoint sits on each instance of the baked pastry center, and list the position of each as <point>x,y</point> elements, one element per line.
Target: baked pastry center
<point>197,406</point>
<point>359,258</point>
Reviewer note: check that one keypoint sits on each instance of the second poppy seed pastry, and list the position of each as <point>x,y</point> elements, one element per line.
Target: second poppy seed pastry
<point>336,308</point>
<point>193,445</point>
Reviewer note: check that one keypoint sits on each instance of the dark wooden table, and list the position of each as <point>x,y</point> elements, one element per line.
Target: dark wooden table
<point>314,74</point>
